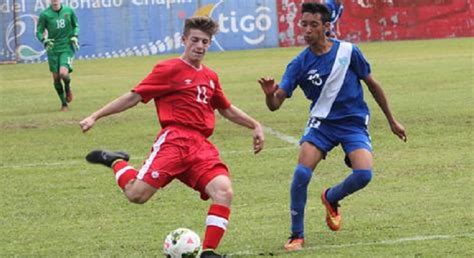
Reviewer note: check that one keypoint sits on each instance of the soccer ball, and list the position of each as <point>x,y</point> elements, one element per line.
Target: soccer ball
<point>182,242</point>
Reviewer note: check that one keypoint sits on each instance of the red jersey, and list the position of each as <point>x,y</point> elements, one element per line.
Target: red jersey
<point>184,95</point>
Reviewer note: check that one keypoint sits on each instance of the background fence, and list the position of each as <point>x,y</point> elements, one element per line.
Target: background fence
<point>117,28</point>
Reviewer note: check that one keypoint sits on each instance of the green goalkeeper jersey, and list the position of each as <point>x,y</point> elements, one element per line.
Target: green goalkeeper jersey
<point>61,25</point>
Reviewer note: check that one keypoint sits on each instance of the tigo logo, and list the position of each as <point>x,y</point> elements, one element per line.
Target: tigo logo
<point>251,24</point>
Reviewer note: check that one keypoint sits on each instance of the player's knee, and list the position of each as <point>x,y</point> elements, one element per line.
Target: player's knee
<point>223,195</point>
<point>64,75</point>
<point>363,176</point>
<point>226,194</point>
<point>137,197</point>
<point>302,175</point>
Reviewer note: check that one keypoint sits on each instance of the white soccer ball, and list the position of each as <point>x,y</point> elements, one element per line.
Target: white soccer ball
<point>182,242</point>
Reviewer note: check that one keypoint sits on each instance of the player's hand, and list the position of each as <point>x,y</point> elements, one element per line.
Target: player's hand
<point>75,43</point>
<point>258,139</point>
<point>398,130</point>
<point>268,85</point>
<point>48,44</point>
<point>87,124</point>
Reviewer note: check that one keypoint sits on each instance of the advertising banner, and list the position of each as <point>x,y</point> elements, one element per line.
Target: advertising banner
<point>371,20</point>
<point>117,28</point>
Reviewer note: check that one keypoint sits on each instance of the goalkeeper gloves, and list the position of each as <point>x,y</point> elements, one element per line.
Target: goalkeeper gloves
<point>48,44</point>
<point>75,42</point>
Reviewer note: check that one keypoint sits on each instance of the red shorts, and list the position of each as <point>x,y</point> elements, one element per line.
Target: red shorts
<point>185,154</point>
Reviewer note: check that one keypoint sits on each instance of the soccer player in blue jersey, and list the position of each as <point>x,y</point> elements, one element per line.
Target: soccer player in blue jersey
<point>329,73</point>
<point>335,8</point>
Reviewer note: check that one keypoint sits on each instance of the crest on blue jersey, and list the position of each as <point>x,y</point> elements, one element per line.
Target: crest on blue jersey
<point>314,77</point>
<point>343,60</point>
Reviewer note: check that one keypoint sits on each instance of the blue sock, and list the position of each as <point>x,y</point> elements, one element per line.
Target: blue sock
<point>299,192</point>
<point>354,182</point>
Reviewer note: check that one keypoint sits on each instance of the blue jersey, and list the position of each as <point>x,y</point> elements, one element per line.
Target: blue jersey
<point>335,10</point>
<point>332,82</point>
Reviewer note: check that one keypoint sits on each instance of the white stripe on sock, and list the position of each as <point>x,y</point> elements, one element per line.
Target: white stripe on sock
<point>213,220</point>
<point>121,172</point>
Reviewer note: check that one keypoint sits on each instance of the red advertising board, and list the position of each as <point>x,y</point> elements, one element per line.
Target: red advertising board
<point>369,20</point>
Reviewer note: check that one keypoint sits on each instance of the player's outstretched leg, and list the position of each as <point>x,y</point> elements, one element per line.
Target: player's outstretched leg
<point>124,173</point>
<point>106,158</point>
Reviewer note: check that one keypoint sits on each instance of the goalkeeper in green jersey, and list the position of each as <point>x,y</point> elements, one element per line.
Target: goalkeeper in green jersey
<point>60,42</point>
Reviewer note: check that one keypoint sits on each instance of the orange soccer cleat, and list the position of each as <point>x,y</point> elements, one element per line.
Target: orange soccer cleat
<point>294,243</point>
<point>333,215</point>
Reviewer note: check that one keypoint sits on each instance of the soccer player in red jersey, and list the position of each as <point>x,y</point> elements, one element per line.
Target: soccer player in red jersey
<point>185,93</point>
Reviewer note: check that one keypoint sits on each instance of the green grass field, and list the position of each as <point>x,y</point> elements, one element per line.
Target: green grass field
<point>419,204</point>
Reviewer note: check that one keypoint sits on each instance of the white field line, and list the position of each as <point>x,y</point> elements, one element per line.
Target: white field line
<point>381,242</point>
<point>281,136</point>
<point>277,134</point>
<point>83,162</point>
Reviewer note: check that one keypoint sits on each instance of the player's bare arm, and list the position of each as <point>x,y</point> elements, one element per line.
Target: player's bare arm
<point>274,96</point>
<point>379,96</point>
<point>118,105</point>
<point>239,117</point>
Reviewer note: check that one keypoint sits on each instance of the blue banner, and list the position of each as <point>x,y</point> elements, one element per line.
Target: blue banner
<point>118,28</point>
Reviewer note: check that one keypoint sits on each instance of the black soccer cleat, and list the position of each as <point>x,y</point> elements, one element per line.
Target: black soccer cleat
<point>211,254</point>
<point>106,158</point>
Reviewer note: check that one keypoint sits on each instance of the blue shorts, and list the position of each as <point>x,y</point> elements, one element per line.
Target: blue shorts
<point>326,135</point>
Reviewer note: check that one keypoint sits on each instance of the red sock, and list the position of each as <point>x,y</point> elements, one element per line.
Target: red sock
<point>216,224</point>
<point>124,173</point>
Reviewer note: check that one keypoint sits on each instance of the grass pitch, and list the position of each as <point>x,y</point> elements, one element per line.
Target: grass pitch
<point>420,202</point>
